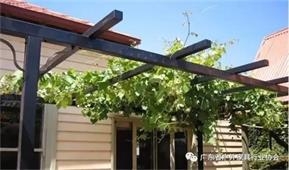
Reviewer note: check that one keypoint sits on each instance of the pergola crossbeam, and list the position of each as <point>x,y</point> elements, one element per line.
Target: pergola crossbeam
<point>244,88</point>
<point>236,70</point>
<point>106,23</point>
<point>285,103</point>
<point>16,27</point>
<point>180,54</point>
<point>192,49</point>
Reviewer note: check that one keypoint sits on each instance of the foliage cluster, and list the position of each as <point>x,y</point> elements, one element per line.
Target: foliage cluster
<point>164,98</point>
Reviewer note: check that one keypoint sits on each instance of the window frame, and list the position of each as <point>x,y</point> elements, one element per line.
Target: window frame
<point>135,124</point>
<point>48,142</point>
<point>49,137</point>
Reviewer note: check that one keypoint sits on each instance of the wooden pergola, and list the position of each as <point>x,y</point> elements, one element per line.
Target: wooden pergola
<point>35,34</point>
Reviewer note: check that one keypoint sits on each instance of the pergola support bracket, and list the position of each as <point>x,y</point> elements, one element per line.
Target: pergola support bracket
<point>106,23</point>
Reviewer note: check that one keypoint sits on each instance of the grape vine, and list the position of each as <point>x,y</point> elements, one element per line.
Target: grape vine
<point>163,98</point>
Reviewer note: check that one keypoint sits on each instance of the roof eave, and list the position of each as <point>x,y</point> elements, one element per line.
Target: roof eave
<point>61,23</point>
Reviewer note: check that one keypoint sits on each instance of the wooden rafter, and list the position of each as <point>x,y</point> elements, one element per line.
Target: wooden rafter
<point>22,28</point>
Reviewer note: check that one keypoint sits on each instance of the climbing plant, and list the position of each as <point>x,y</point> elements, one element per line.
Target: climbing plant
<point>163,98</point>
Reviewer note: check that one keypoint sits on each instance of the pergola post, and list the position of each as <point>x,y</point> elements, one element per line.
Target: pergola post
<point>199,134</point>
<point>26,155</point>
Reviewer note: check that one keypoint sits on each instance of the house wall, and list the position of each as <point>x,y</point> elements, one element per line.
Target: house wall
<point>227,143</point>
<point>80,61</point>
<point>81,145</point>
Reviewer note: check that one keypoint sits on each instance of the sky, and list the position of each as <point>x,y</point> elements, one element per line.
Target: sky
<point>157,21</point>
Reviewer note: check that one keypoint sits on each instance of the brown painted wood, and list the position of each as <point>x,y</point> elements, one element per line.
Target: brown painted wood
<point>270,82</point>
<point>103,25</point>
<point>12,26</point>
<point>239,69</point>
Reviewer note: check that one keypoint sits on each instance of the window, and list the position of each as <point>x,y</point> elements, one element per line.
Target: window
<point>180,150</point>
<point>124,148</point>
<point>149,150</point>
<point>9,149</point>
<point>153,150</point>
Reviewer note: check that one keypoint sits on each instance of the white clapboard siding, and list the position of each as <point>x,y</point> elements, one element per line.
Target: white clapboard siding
<point>83,165</point>
<point>222,129</point>
<point>81,144</point>
<point>4,71</point>
<point>227,142</point>
<point>224,168</point>
<point>75,59</point>
<point>225,136</point>
<point>80,61</point>
<point>65,65</point>
<point>83,127</point>
<point>83,155</point>
<point>222,163</point>
<point>78,118</point>
<point>226,149</point>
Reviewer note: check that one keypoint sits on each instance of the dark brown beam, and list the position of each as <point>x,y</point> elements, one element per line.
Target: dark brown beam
<point>285,103</point>
<point>236,70</point>
<point>180,54</point>
<point>103,25</point>
<point>21,28</point>
<point>280,141</point>
<point>282,94</point>
<point>192,49</point>
<point>244,88</point>
<point>200,146</point>
<point>26,141</point>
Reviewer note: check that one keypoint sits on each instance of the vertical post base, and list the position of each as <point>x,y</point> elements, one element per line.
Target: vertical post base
<point>200,147</point>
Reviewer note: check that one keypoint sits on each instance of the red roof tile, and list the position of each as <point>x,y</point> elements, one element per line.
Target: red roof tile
<point>274,48</point>
<point>23,10</point>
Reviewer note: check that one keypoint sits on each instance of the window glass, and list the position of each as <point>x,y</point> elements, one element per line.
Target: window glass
<point>152,149</point>
<point>180,150</point>
<point>38,129</point>
<point>38,160</point>
<point>8,160</point>
<point>144,150</point>
<point>9,127</point>
<point>123,148</point>
<point>163,150</point>
<point>9,124</point>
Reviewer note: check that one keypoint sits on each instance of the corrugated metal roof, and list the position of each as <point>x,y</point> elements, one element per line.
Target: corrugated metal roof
<point>274,48</point>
